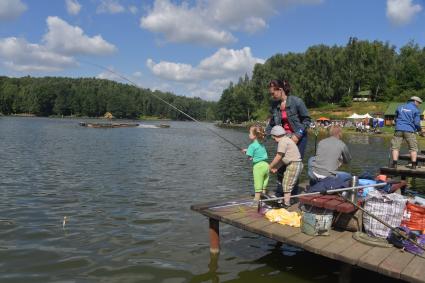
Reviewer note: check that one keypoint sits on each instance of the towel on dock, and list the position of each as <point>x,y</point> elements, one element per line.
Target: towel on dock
<point>282,216</point>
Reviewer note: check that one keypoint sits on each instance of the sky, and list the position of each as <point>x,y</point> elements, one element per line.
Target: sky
<point>191,48</point>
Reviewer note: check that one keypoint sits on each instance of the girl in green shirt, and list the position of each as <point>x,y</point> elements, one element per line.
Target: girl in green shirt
<point>258,154</point>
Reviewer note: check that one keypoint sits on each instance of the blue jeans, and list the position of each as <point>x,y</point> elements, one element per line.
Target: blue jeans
<point>313,179</point>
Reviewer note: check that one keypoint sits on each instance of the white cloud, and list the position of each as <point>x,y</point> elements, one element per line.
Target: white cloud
<point>222,64</point>
<point>11,9</point>
<point>68,39</point>
<point>171,71</point>
<point>19,55</point>
<point>229,62</point>
<point>209,22</point>
<point>110,74</point>
<point>210,91</point>
<point>401,12</point>
<point>73,7</point>
<point>211,75</point>
<point>133,9</point>
<point>110,7</point>
<point>184,24</point>
<point>137,74</point>
<point>56,51</point>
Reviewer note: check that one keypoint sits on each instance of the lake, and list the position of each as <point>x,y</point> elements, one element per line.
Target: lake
<point>113,205</point>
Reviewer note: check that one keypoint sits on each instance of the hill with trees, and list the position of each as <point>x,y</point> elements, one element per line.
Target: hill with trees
<point>93,97</point>
<point>330,75</point>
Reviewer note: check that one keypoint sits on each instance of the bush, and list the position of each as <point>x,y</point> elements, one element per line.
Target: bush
<point>346,101</point>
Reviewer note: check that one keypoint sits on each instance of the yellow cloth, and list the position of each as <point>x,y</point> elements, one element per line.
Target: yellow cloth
<point>282,216</point>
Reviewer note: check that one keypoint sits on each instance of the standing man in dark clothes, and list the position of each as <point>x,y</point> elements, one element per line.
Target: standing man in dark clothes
<point>407,122</point>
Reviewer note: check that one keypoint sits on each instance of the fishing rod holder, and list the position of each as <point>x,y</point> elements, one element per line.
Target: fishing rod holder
<point>352,194</point>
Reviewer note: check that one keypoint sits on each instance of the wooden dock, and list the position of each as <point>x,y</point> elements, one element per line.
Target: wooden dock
<point>339,245</point>
<point>404,171</point>
<point>406,156</point>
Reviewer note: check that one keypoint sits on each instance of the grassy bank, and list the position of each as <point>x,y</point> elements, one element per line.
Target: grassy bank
<point>336,112</point>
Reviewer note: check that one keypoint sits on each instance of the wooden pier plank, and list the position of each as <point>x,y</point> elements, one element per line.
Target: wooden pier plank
<point>220,212</point>
<point>339,245</point>
<point>318,244</point>
<point>395,263</point>
<point>352,254</point>
<point>374,257</point>
<point>299,239</point>
<point>280,232</point>
<point>205,205</point>
<point>415,271</point>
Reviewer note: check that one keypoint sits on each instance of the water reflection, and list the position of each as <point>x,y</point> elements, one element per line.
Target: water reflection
<point>358,139</point>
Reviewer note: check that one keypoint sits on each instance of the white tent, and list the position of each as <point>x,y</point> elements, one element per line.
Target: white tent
<point>355,116</point>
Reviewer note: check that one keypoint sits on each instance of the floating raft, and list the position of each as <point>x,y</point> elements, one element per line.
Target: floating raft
<point>108,125</point>
<point>339,245</point>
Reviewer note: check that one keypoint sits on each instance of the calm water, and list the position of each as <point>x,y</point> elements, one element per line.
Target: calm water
<point>126,195</point>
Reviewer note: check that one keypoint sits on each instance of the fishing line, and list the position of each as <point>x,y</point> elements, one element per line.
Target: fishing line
<point>160,99</point>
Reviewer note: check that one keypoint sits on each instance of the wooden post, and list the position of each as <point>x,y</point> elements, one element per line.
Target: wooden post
<point>214,236</point>
<point>345,273</point>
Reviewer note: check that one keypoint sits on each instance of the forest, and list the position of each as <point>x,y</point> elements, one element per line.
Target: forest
<point>321,75</point>
<point>91,97</point>
<point>325,75</point>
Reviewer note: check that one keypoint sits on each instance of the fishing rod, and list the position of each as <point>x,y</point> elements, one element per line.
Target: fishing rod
<point>327,192</point>
<point>353,188</point>
<point>160,99</point>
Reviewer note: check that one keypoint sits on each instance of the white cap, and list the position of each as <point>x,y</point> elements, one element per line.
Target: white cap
<point>277,131</point>
<point>415,98</point>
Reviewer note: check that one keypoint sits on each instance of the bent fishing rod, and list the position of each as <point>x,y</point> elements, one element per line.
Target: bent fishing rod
<point>160,99</point>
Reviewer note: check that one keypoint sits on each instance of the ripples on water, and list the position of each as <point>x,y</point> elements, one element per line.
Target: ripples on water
<point>126,194</point>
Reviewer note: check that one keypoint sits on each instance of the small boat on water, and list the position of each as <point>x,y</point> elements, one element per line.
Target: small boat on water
<point>108,125</point>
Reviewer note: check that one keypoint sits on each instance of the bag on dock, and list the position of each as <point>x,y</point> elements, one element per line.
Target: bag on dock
<point>410,245</point>
<point>387,207</point>
<point>316,221</point>
<point>414,217</point>
<point>352,221</point>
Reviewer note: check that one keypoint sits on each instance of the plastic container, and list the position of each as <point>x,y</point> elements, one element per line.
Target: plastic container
<point>316,221</point>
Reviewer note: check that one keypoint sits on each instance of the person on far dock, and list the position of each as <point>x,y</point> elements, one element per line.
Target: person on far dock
<point>407,123</point>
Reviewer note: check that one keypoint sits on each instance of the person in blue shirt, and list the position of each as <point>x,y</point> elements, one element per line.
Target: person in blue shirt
<point>407,122</point>
<point>258,154</point>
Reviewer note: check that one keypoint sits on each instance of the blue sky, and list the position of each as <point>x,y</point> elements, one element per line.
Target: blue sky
<point>191,48</point>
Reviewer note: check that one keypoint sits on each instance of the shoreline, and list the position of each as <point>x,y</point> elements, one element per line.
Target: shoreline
<point>385,131</point>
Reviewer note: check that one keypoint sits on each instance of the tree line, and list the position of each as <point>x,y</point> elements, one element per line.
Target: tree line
<point>330,74</point>
<point>93,97</point>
